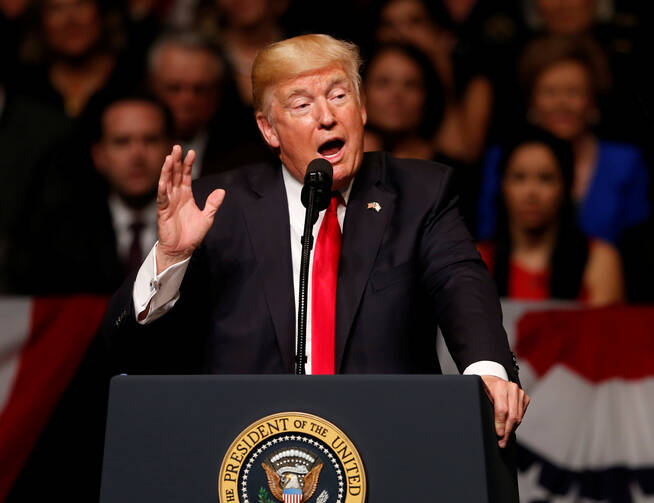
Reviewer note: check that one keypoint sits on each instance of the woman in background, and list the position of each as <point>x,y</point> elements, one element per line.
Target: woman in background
<point>538,251</point>
<point>563,78</point>
<point>405,104</point>
<point>467,92</point>
<point>403,100</point>
<point>74,59</point>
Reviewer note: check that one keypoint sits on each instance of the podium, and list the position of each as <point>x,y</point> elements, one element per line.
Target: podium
<point>418,437</point>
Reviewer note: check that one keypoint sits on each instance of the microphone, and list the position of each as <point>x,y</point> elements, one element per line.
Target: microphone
<point>318,179</point>
<point>316,194</point>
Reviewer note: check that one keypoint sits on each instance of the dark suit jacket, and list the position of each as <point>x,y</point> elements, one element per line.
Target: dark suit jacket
<point>403,271</point>
<point>75,231</point>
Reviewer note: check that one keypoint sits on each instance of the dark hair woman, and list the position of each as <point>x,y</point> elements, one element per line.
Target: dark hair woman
<point>538,251</point>
<point>563,80</point>
<point>404,101</point>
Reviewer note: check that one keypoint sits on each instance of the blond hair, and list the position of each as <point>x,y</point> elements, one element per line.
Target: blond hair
<point>292,57</point>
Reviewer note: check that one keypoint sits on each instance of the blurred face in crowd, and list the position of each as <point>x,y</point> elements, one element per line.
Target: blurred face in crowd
<point>132,148</point>
<point>400,20</point>
<point>561,100</point>
<point>395,93</point>
<point>567,16</point>
<point>244,13</point>
<point>317,114</point>
<point>187,81</point>
<point>533,187</point>
<point>459,10</point>
<point>71,27</point>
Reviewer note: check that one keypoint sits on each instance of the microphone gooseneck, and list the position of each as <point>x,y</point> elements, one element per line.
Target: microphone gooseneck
<point>316,194</point>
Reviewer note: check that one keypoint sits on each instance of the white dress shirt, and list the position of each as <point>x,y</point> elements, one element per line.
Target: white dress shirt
<point>199,144</point>
<point>122,217</point>
<point>162,291</point>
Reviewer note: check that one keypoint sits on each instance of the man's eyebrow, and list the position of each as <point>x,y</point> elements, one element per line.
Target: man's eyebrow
<point>338,81</point>
<point>302,91</point>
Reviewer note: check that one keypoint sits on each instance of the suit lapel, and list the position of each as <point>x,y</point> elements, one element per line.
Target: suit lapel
<point>363,231</point>
<point>269,229</point>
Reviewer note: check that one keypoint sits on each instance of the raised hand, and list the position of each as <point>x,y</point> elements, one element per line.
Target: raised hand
<point>181,224</point>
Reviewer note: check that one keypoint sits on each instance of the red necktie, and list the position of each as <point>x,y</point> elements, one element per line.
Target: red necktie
<point>323,290</point>
<point>135,253</point>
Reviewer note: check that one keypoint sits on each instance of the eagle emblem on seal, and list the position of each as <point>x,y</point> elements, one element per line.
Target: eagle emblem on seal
<point>292,475</point>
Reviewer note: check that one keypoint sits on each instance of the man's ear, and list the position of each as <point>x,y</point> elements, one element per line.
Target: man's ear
<point>267,130</point>
<point>364,114</point>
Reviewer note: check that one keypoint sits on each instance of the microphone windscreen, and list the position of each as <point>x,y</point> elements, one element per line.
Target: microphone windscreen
<point>321,166</point>
<point>319,179</point>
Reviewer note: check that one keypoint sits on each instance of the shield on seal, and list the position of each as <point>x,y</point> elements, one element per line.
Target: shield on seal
<point>292,495</point>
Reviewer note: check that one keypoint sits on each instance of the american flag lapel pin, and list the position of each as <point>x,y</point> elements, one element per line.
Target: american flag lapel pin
<point>374,205</point>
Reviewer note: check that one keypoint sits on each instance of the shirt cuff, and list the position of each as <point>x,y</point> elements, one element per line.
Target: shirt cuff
<point>160,292</point>
<point>486,367</point>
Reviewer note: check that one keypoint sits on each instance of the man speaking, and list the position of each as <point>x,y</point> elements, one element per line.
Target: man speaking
<point>392,259</point>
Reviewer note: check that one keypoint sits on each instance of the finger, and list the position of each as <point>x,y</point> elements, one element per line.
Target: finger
<point>513,416</point>
<point>501,405</point>
<point>177,166</point>
<point>521,408</point>
<point>164,181</point>
<point>214,201</point>
<point>525,403</point>
<point>188,163</point>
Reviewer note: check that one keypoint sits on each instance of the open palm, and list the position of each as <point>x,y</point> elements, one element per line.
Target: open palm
<point>181,224</point>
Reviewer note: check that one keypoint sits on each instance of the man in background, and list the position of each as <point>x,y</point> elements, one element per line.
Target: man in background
<point>186,73</point>
<point>96,230</point>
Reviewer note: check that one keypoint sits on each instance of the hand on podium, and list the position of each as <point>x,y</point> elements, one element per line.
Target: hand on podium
<point>509,402</point>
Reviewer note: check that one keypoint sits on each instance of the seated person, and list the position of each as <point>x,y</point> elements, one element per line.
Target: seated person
<point>467,91</point>
<point>562,78</point>
<point>73,64</point>
<point>404,102</point>
<point>538,251</point>
<point>97,227</point>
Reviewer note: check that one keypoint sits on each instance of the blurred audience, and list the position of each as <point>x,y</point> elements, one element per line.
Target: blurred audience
<point>72,55</point>
<point>404,102</point>
<point>186,74</point>
<point>13,21</point>
<point>431,81</point>
<point>489,38</point>
<point>240,29</point>
<point>538,252</point>
<point>189,76</point>
<point>25,150</point>
<point>243,28</point>
<point>94,239</point>
<point>617,27</point>
<point>563,78</point>
<point>566,17</point>
<point>135,136</point>
<point>468,92</point>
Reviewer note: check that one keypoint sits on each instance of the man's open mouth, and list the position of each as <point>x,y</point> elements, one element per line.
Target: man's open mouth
<point>331,148</point>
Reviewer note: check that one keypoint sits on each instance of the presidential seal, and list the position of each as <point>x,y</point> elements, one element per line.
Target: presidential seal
<point>292,457</point>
